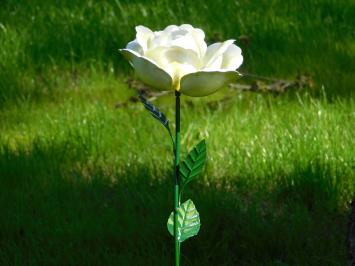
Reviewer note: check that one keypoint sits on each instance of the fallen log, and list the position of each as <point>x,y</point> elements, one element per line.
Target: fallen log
<point>256,84</point>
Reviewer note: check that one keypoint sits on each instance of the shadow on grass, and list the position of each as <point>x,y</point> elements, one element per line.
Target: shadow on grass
<point>55,213</point>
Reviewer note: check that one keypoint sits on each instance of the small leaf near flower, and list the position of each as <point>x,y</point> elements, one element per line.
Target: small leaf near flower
<point>155,112</point>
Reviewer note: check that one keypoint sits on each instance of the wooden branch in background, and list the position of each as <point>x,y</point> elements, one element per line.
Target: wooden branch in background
<point>251,82</point>
<point>267,84</point>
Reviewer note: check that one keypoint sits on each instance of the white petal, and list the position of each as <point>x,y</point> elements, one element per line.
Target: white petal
<point>184,36</point>
<point>181,37</point>
<point>232,58</point>
<point>212,60</point>
<point>198,36</point>
<point>175,60</point>
<point>203,83</point>
<point>187,27</point>
<point>185,41</point>
<point>215,64</point>
<point>143,36</point>
<point>148,71</point>
<point>135,46</point>
<point>170,28</point>
<point>162,38</point>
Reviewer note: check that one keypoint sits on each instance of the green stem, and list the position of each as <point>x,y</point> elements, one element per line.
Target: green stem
<point>176,184</point>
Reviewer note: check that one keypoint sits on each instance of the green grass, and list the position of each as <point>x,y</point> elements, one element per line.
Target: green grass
<point>85,183</point>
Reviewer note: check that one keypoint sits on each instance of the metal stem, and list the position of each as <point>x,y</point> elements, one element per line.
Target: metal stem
<point>176,184</point>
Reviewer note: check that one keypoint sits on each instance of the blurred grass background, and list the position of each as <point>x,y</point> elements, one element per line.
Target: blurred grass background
<point>85,183</point>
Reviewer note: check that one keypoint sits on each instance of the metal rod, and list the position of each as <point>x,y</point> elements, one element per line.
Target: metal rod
<point>176,183</point>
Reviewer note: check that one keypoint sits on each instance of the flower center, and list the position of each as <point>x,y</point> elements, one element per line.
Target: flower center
<point>177,71</point>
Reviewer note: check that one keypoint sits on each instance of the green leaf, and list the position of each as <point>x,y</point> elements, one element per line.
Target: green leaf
<point>154,111</point>
<point>188,221</point>
<point>193,164</point>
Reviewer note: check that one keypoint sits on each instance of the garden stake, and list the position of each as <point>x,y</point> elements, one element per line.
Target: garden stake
<point>176,189</point>
<point>178,59</point>
<point>184,220</point>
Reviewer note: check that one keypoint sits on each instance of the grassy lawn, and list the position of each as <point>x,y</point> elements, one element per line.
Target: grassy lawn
<point>85,183</point>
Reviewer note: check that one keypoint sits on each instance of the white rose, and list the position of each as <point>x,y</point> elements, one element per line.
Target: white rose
<point>178,58</point>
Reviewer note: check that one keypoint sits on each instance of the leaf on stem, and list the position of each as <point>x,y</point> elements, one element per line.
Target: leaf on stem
<point>193,164</point>
<point>154,111</point>
<point>188,221</point>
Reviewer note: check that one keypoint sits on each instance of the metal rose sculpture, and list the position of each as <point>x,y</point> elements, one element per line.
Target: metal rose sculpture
<point>178,58</point>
